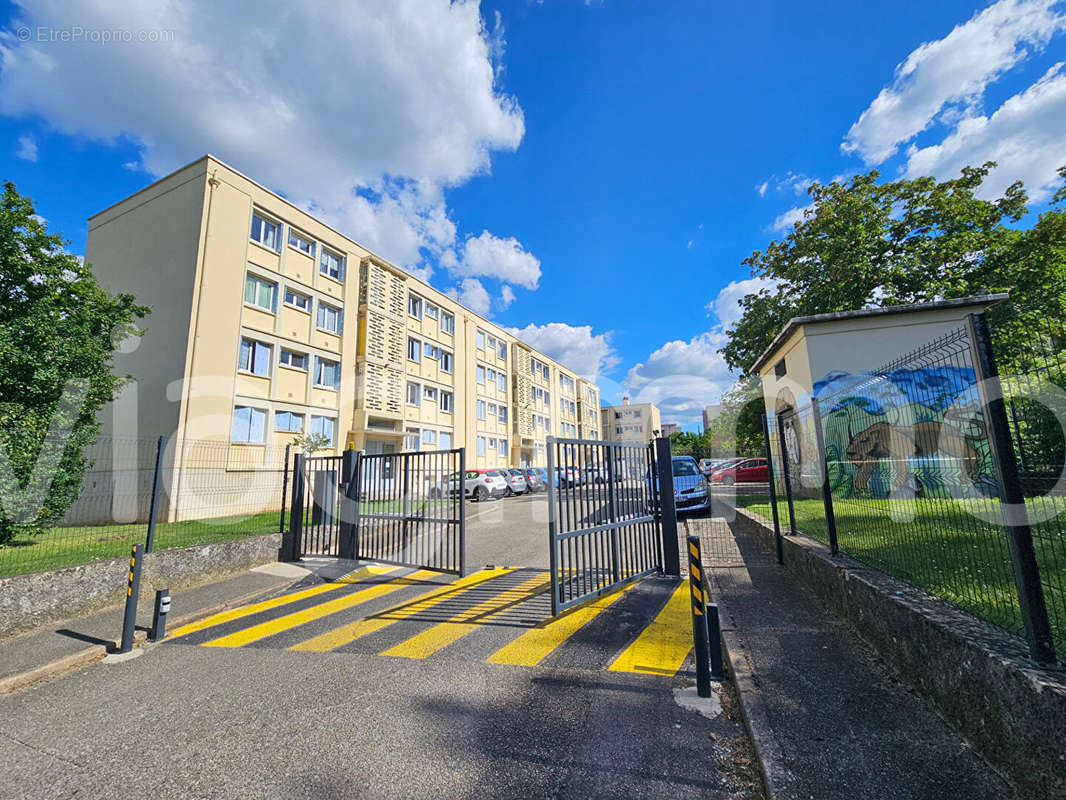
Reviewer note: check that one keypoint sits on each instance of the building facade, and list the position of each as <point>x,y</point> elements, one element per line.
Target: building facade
<point>267,323</point>
<point>630,422</point>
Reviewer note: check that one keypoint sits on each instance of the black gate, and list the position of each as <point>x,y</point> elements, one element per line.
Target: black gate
<point>606,524</point>
<point>396,508</point>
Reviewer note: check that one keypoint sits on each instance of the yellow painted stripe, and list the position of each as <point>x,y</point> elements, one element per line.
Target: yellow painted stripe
<point>534,646</point>
<point>269,628</point>
<point>346,634</point>
<point>662,647</point>
<point>430,641</point>
<point>266,605</point>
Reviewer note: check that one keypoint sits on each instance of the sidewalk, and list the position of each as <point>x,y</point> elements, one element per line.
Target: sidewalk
<point>55,649</point>
<point>828,719</point>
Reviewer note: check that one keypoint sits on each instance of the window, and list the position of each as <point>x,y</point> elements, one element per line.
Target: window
<point>567,383</point>
<point>501,382</point>
<point>547,398</point>
<point>480,373</point>
<point>503,414</point>
<point>429,437</point>
<point>414,306</point>
<point>445,361</point>
<point>779,369</point>
<point>480,443</point>
<point>503,447</point>
<point>481,409</point>
<point>290,358</point>
<point>491,375</point>
<point>301,243</point>
<point>327,373</point>
<point>490,342</point>
<point>324,426</point>
<point>331,265</point>
<point>414,349</point>
<point>430,393</point>
<point>261,293</point>
<point>288,421</point>
<point>503,351</point>
<point>266,232</point>
<point>480,339</point>
<point>297,300</point>
<point>432,351</point>
<point>329,318</point>
<point>445,440</point>
<point>492,443</point>
<point>546,372</point>
<point>447,322</point>
<point>446,401</point>
<point>431,310</point>
<point>618,430</point>
<point>254,357</point>
<point>249,425</point>
<point>494,410</point>
<point>412,439</point>
<point>414,394</point>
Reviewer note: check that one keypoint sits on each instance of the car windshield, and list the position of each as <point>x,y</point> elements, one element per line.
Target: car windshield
<point>683,468</point>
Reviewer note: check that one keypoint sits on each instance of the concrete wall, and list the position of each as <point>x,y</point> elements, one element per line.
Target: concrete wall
<point>976,676</point>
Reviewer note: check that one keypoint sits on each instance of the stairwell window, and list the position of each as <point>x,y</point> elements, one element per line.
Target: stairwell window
<point>266,232</point>
<point>249,425</point>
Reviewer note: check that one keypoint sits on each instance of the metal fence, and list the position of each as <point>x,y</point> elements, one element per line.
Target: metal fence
<point>911,468</point>
<point>99,497</point>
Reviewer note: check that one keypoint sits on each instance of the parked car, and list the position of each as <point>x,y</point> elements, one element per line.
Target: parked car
<point>481,484</point>
<point>536,482</point>
<point>566,476</point>
<point>515,480</point>
<point>691,492</point>
<point>706,465</point>
<point>749,470</point>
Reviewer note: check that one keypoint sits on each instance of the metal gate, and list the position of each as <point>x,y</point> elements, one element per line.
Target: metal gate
<point>396,508</point>
<point>605,520</point>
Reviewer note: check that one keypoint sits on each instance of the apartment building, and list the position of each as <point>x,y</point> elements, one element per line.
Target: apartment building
<point>630,422</point>
<point>267,323</point>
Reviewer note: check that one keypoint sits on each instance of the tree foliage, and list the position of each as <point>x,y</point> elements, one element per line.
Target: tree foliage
<point>58,332</point>
<point>866,244</point>
<point>736,431</point>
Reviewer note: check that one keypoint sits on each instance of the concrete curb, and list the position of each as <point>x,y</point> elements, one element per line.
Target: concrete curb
<point>93,653</point>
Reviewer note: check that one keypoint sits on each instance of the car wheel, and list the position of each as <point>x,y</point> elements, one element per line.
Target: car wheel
<point>481,495</point>
<point>509,492</point>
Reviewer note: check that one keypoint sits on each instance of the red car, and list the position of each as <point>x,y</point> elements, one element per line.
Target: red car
<point>751,470</point>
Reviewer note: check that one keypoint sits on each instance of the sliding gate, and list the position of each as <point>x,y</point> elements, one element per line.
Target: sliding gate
<point>604,518</point>
<point>396,508</point>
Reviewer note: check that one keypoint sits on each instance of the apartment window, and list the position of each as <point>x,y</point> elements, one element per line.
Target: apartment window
<point>617,414</point>
<point>301,243</point>
<point>288,421</point>
<point>327,373</point>
<point>501,381</point>
<point>494,410</point>
<point>480,374</point>
<point>481,409</point>
<point>329,318</point>
<point>445,441</point>
<point>290,358</point>
<point>503,351</point>
<point>490,342</point>
<point>414,394</point>
<point>534,366</point>
<point>618,430</point>
<point>266,232</point>
<point>480,340</point>
<point>492,443</point>
<point>254,357</point>
<point>546,372</point>
<point>430,393</point>
<point>480,444</point>
<point>297,300</point>
<point>412,439</point>
<point>432,311</point>
<point>447,322</point>
<point>249,425</point>
<point>491,375</point>
<point>445,361</point>
<point>432,351</point>
<point>331,265</point>
<point>261,293</point>
<point>547,398</point>
<point>446,402</point>
<point>325,426</point>
<point>503,447</point>
<point>414,349</point>
<point>414,306</point>
<point>503,414</point>
<point>429,437</point>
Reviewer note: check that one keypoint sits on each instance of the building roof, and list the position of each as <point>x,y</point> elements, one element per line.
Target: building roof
<point>980,300</point>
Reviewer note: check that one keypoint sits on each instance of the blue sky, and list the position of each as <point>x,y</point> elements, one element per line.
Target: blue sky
<point>590,174</point>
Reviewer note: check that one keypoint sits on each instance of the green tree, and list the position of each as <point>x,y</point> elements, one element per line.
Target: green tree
<point>58,331</point>
<point>864,243</point>
<point>737,430</point>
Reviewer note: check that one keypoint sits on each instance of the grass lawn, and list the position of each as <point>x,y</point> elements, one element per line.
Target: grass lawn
<point>942,548</point>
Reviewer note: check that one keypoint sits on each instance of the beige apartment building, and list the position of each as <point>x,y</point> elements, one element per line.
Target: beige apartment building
<point>630,422</point>
<point>267,323</point>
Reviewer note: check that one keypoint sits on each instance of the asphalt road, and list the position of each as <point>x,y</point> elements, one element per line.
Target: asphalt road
<point>512,531</point>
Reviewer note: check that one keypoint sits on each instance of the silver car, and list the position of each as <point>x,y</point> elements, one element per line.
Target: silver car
<point>516,481</point>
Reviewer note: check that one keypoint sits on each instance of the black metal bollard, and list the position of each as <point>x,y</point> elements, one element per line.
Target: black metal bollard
<point>714,627</point>
<point>133,588</point>
<point>700,635</point>
<point>159,616</point>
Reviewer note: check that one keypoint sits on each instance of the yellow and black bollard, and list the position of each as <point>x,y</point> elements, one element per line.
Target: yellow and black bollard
<point>699,618</point>
<point>133,588</point>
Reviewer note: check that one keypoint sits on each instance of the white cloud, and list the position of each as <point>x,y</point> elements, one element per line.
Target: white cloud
<point>27,149</point>
<point>506,296</point>
<point>576,346</point>
<point>394,98</point>
<point>490,256</point>
<point>1025,136</point>
<point>953,70</point>
<point>761,188</point>
<point>784,222</point>
<point>689,244</point>
<point>472,295</point>
<point>726,306</point>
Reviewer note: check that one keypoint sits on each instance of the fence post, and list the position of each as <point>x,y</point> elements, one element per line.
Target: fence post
<point>553,527</point>
<point>153,508</point>
<point>773,489</point>
<point>290,550</point>
<point>786,474</point>
<point>827,492</point>
<point>1023,555</point>
<point>133,589</point>
<point>346,545</point>
<point>700,635</point>
<point>671,546</point>
<point>462,518</point>
<point>612,515</point>
<point>284,488</point>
